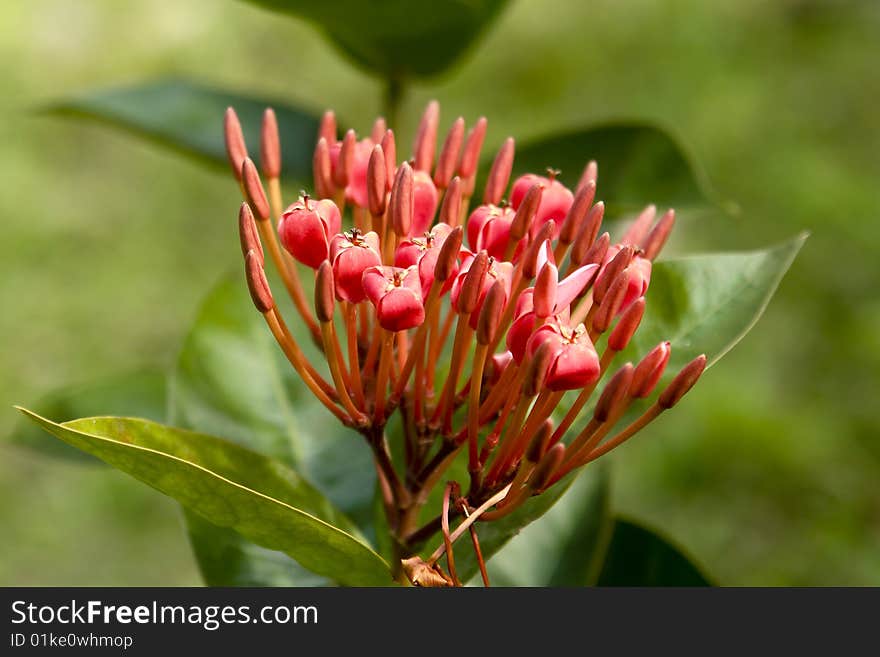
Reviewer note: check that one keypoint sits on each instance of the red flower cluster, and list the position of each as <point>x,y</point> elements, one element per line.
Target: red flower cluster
<point>519,293</point>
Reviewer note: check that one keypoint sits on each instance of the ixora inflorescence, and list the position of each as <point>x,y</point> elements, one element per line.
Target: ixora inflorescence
<point>472,324</point>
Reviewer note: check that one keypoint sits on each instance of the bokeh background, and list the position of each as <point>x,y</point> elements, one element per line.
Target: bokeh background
<point>769,475</point>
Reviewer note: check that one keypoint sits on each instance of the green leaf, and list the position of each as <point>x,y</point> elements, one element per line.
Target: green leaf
<point>639,163</point>
<point>188,117</point>
<point>560,548</point>
<point>232,379</point>
<point>637,556</point>
<point>232,487</point>
<point>140,394</point>
<point>397,38</point>
<point>707,303</point>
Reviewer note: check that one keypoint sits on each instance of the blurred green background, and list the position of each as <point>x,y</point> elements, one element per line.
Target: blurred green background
<point>770,474</point>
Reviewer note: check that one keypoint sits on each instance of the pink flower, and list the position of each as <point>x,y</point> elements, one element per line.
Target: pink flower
<point>424,202</point>
<point>555,201</point>
<point>497,270</point>
<point>397,296</point>
<point>639,270</point>
<point>488,228</point>
<point>423,252</point>
<point>306,227</point>
<point>351,253</point>
<point>356,189</point>
<point>575,363</point>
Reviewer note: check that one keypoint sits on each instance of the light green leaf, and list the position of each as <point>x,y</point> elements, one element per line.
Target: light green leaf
<point>637,556</point>
<point>232,379</point>
<point>232,487</point>
<point>188,117</point>
<point>639,163</point>
<point>135,394</point>
<point>396,38</point>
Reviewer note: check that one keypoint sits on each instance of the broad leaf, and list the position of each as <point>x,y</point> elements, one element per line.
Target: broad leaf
<point>639,163</point>
<point>560,548</point>
<point>232,379</point>
<point>707,303</point>
<point>397,38</point>
<point>188,117</point>
<point>637,556</point>
<point>135,394</point>
<point>232,487</point>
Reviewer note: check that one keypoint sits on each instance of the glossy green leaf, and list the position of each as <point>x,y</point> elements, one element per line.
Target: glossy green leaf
<point>637,556</point>
<point>233,487</point>
<point>396,38</point>
<point>232,379</point>
<point>639,163</point>
<point>135,394</point>
<point>707,303</point>
<point>561,548</point>
<point>188,117</point>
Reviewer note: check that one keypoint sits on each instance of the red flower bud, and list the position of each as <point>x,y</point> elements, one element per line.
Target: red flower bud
<point>327,129</point>
<point>540,442</point>
<point>253,190</point>
<point>424,202</point>
<point>379,129</point>
<point>626,327</point>
<point>682,382</point>
<point>640,227</point>
<point>612,303</point>
<point>649,370</point>
<point>490,313</point>
<point>469,287</point>
<point>424,253</point>
<point>342,158</point>
<point>247,232</point>
<point>591,172</point>
<point>402,201</point>
<point>535,374</point>
<point>556,200</point>
<point>525,213</point>
<point>426,138</point>
<point>546,468</point>
<point>349,160</point>
<point>270,145</point>
<point>305,230</point>
<point>488,228</point>
<point>470,155</point>
<point>447,259</point>
<point>376,189</point>
<point>616,260</point>
<point>638,269</point>
<point>575,363</point>
<point>389,147</point>
<point>614,393</point>
<point>396,295</point>
<point>236,150</point>
<point>351,253</point>
<point>537,253</point>
<point>258,286</point>
<point>577,213</point>
<point>656,239</point>
<point>451,206</point>
<point>324,296</point>
<point>593,255</point>
<point>585,241</point>
<point>322,169</point>
<point>544,296</point>
<point>499,174</point>
<point>449,154</point>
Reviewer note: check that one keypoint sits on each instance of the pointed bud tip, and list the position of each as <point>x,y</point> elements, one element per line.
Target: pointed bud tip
<point>546,468</point>
<point>490,313</point>
<point>472,286</point>
<point>614,393</point>
<point>247,232</point>
<point>682,382</point>
<point>270,145</point>
<point>253,189</point>
<point>236,150</point>
<point>448,255</point>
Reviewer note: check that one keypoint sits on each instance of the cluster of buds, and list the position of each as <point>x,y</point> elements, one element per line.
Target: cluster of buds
<point>473,324</point>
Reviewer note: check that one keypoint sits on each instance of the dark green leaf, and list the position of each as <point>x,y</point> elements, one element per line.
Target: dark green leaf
<point>397,38</point>
<point>188,117</point>
<point>637,556</point>
<point>639,163</point>
<point>136,394</point>
<point>232,379</point>
<point>232,487</point>
<point>559,548</point>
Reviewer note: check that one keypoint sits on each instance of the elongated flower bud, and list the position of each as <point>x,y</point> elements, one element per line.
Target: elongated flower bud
<point>586,237</point>
<point>448,257</point>
<point>614,393</point>
<point>540,442</point>
<point>236,150</point>
<point>470,155</point>
<point>426,138</point>
<point>591,172</point>
<point>327,129</point>
<point>682,382</point>
<point>546,468</point>
<point>257,284</point>
<point>247,232</point>
<point>610,272</point>
<point>473,283</point>
<point>449,154</point>
<point>376,190</point>
<point>525,213</point>
<point>345,163</point>
<point>402,201</point>
<point>537,369</point>
<point>577,213</point>
<point>531,259</point>
<point>324,294</point>
<point>544,297</point>
<point>649,370</point>
<point>626,327</point>
<point>611,303</point>
<point>639,228</point>
<point>379,129</point>
<point>270,145</point>
<point>490,313</point>
<point>254,191</point>
<point>499,174</point>
<point>322,169</point>
<point>450,208</point>
<point>656,239</point>
<point>389,147</point>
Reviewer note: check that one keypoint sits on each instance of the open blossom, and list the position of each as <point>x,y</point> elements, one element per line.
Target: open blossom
<point>487,326</point>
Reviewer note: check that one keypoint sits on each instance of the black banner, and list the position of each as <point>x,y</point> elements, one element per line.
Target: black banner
<point>170,621</point>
